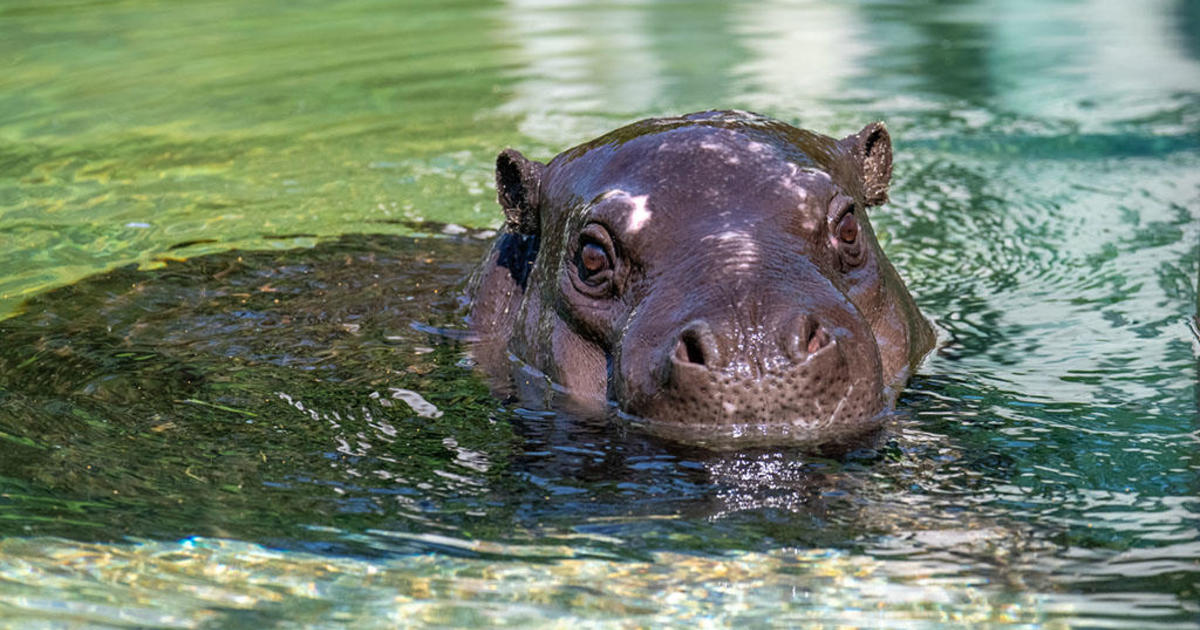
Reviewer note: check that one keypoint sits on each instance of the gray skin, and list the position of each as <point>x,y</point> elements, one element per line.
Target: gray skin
<point>713,276</point>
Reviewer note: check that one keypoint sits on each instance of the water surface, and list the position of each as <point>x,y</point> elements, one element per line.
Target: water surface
<point>219,223</point>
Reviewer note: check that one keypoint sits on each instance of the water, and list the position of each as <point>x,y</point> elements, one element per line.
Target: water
<point>219,222</point>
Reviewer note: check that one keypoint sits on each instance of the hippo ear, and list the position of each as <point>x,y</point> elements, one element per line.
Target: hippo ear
<point>518,187</point>
<point>871,150</point>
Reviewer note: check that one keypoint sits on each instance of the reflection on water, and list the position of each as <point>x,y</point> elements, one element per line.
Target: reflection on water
<point>261,436</point>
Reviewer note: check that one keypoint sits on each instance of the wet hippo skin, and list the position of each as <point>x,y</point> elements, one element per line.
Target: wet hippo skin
<point>713,276</point>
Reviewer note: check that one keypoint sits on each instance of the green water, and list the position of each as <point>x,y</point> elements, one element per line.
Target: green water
<point>220,220</point>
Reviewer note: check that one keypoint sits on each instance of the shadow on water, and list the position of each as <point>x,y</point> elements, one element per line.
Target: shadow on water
<point>1188,20</point>
<point>243,394</point>
<point>944,54</point>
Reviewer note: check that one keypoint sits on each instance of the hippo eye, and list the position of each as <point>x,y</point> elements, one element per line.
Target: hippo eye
<point>592,259</point>
<point>847,238</point>
<point>595,261</point>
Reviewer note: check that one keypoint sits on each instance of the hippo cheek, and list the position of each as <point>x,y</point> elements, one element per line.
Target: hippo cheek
<point>580,366</point>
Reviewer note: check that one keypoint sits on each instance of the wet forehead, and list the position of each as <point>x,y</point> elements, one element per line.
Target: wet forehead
<point>716,181</point>
<point>717,150</point>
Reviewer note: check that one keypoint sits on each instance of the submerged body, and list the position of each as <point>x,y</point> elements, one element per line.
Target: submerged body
<point>714,275</point>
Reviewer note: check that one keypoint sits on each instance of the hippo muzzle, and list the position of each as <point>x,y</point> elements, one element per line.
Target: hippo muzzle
<point>788,361</point>
<point>714,276</point>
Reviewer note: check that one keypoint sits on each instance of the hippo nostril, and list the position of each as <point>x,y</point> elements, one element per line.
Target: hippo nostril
<point>697,346</point>
<point>689,350</point>
<point>817,338</point>
<point>806,336</point>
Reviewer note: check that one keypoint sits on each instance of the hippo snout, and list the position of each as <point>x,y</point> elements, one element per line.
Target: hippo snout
<point>799,373</point>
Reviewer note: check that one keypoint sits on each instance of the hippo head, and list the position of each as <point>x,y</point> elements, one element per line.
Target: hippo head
<point>715,276</point>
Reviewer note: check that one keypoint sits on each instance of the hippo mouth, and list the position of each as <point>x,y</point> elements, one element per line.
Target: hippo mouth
<point>818,400</point>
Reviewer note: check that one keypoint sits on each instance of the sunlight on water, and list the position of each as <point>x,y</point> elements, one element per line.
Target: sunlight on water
<point>238,424</point>
<point>216,583</point>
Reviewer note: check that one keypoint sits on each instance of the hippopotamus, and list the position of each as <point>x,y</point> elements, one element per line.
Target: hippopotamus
<point>713,277</point>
